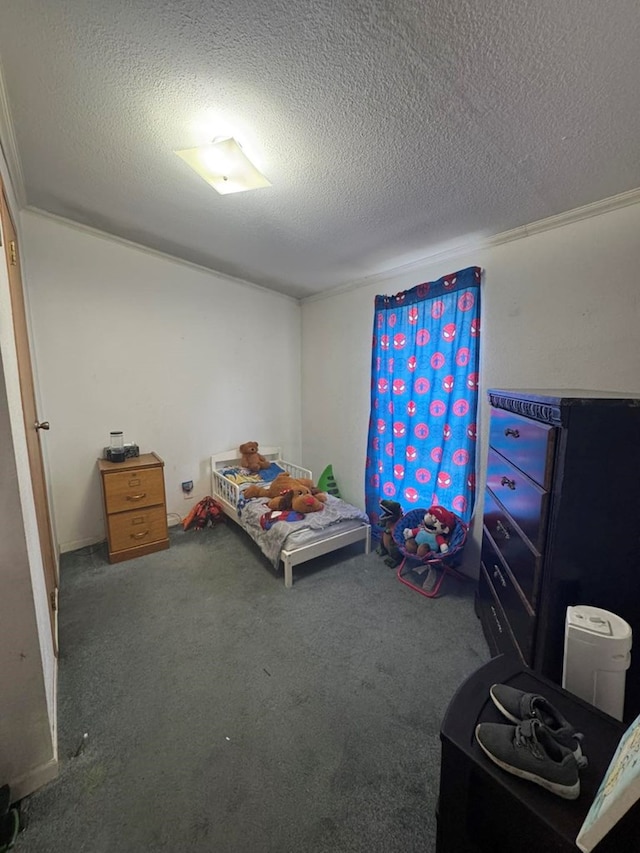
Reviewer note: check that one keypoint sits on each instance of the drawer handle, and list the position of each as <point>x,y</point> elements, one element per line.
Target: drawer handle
<point>498,574</point>
<point>505,481</point>
<point>496,620</point>
<point>502,530</point>
<point>513,432</point>
<point>140,535</point>
<point>136,497</point>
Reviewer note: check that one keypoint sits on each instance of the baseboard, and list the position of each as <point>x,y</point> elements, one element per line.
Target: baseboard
<point>79,543</point>
<point>35,778</point>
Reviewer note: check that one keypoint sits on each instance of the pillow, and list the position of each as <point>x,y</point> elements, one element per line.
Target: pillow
<point>270,473</point>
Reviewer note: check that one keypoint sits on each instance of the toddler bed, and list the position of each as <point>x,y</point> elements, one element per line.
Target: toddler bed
<point>293,542</point>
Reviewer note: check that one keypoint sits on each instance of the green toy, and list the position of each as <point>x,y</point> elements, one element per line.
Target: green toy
<point>327,482</point>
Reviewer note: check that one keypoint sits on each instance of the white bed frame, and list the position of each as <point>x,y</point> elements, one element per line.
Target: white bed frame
<point>227,494</point>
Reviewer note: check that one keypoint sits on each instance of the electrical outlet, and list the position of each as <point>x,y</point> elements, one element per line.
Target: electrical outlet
<point>187,489</point>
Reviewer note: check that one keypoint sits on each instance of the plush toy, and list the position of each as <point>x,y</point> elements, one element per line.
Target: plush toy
<point>296,500</point>
<point>250,458</point>
<point>284,482</point>
<point>432,535</point>
<point>390,515</point>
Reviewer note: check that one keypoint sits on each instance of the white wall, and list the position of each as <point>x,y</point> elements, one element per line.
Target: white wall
<point>560,309</point>
<point>184,361</point>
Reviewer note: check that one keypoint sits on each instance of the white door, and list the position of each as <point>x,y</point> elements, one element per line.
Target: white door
<point>33,426</point>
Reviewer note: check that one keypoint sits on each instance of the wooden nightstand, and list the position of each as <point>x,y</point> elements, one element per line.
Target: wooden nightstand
<point>134,506</point>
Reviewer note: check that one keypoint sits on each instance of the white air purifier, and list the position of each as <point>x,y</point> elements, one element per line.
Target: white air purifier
<point>597,654</point>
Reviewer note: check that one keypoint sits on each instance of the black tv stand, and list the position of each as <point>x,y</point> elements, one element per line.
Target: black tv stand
<point>483,809</point>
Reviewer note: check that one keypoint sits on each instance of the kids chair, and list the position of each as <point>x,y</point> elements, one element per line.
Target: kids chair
<point>426,574</point>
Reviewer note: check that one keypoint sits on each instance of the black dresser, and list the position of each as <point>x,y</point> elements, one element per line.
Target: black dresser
<point>561,522</point>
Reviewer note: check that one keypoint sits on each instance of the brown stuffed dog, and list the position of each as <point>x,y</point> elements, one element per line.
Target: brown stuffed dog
<point>284,482</point>
<point>250,458</point>
<point>298,501</point>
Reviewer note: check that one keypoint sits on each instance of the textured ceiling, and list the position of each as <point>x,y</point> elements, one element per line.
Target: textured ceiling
<point>388,128</point>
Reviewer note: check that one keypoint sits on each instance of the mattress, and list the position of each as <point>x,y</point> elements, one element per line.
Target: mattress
<point>336,516</point>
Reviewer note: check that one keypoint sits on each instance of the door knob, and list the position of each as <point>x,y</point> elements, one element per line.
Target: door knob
<point>42,425</point>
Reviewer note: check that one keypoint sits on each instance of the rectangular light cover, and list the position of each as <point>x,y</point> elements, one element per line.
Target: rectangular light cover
<point>224,166</point>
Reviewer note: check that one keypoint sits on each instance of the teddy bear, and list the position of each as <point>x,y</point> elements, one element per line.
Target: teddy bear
<point>432,535</point>
<point>250,458</point>
<point>284,482</point>
<point>390,515</point>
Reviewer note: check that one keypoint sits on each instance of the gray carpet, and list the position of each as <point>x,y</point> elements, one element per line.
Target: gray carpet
<point>227,714</point>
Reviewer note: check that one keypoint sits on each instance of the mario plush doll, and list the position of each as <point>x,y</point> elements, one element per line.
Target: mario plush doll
<point>432,536</point>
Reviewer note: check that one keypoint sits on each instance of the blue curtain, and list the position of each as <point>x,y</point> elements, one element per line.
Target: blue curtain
<point>424,396</point>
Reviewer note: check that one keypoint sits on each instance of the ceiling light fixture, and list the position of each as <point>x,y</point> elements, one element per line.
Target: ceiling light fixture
<point>224,165</point>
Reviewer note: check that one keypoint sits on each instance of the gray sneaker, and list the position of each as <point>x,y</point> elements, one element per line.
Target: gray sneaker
<point>529,751</point>
<point>517,706</point>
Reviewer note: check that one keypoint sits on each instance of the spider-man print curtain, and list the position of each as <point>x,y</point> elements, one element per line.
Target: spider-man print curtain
<point>424,396</point>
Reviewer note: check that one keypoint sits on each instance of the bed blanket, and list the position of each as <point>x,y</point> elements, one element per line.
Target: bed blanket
<point>271,541</point>
<point>245,477</point>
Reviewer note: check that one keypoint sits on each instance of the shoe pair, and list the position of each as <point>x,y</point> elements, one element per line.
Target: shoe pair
<point>9,820</point>
<point>542,746</point>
